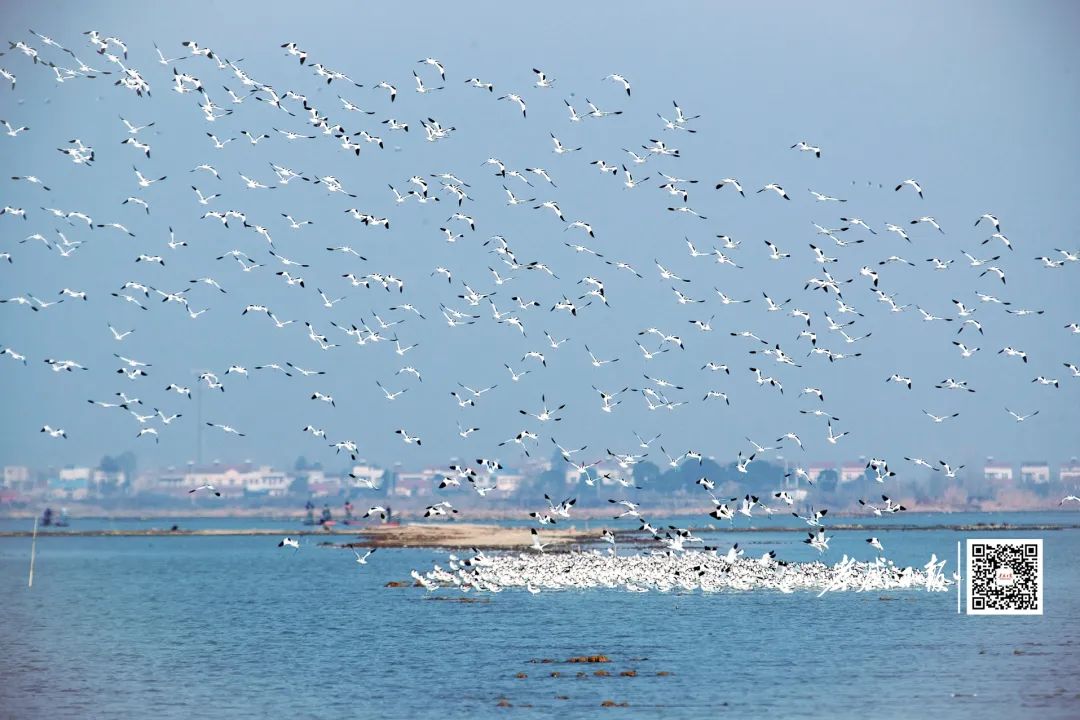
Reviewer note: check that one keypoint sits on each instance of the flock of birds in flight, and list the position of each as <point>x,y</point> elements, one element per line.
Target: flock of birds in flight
<point>299,120</point>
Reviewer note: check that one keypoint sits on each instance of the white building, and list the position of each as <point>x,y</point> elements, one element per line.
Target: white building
<point>799,495</point>
<point>16,476</point>
<point>365,476</point>
<point>229,480</point>
<point>72,483</point>
<point>997,473</point>
<point>1035,473</point>
<point>508,482</point>
<point>75,475</point>
<point>1069,473</point>
<point>603,472</point>
<point>267,481</point>
<point>418,483</point>
<point>851,473</point>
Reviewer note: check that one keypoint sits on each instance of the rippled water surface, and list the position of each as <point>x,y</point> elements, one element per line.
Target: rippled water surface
<point>182,627</point>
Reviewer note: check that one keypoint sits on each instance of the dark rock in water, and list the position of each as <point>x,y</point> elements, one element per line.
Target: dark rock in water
<point>521,676</point>
<point>466,600</point>
<point>555,673</point>
<point>589,659</point>
<point>503,702</point>
<point>601,673</point>
<point>396,583</point>
<point>628,673</point>
<point>663,673</point>
<point>612,703</point>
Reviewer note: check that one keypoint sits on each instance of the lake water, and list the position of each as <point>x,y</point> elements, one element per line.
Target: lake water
<point>181,627</point>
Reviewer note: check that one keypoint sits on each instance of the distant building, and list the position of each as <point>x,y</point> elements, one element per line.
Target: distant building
<point>814,471</point>
<point>266,481</point>
<point>573,476</point>
<point>417,484</point>
<point>597,472</point>
<point>799,494</point>
<point>321,486</point>
<point>74,474</point>
<point>17,477</point>
<point>1069,473</point>
<point>229,480</point>
<point>71,483</point>
<point>851,473</point>
<point>508,482</point>
<point>366,476</point>
<point>997,473</point>
<point>170,481</point>
<point>534,466</point>
<point>1035,473</point>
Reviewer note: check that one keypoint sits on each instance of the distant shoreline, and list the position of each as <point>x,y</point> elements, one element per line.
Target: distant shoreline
<point>582,513</point>
<point>492,536</point>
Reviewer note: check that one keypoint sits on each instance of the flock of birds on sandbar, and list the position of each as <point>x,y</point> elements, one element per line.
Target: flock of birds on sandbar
<point>679,572</point>
<point>248,119</point>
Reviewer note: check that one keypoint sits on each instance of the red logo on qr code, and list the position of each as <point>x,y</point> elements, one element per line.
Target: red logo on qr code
<point>1004,577</point>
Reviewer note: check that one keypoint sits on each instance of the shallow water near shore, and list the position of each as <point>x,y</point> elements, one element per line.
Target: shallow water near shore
<point>180,627</point>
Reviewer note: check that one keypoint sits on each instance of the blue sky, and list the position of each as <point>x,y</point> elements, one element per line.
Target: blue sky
<point>975,100</point>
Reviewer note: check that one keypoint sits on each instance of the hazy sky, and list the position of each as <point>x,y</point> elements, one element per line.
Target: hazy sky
<point>977,101</point>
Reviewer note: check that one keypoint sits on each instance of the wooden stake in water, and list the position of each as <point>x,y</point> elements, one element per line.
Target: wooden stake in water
<point>33,549</point>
